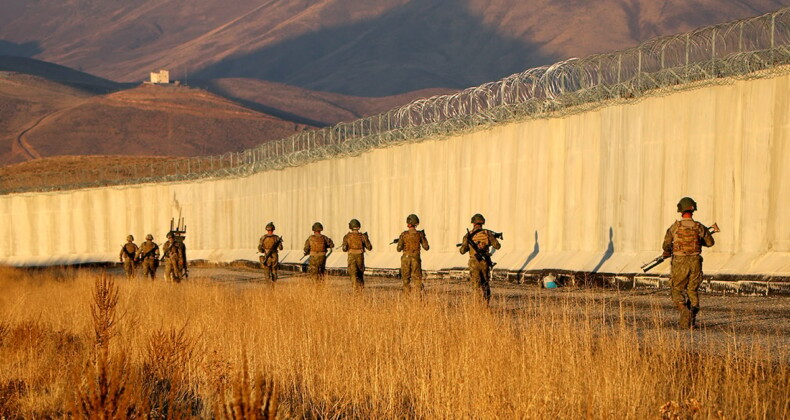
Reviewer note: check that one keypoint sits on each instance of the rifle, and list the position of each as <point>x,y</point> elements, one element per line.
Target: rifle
<point>395,241</point>
<point>149,253</point>
<point>658,260</point>
<point>479,254</point>
<point>272,249</point>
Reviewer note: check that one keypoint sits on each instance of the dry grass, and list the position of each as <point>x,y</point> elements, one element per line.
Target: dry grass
<point>199,349</point>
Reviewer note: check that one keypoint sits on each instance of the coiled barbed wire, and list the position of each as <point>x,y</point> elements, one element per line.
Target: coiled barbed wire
<point>738,48</point>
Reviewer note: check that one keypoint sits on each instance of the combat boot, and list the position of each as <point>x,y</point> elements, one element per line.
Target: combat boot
<point>685,316</point>
<point>694,312</point>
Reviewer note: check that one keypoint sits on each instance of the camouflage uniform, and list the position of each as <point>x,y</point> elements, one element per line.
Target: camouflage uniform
<point>355,244</point>
<point>128,256</point>
<point>410,242</point>
<point>173,257</point>
<point>684,241</point>
<point>479,270</point>
<point>148,255</point>
<point>266,243</point>
<point>317,246</point>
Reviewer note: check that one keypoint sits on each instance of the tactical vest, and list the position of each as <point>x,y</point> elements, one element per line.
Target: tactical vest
<point>411,242</point>
<point>129,249</point>
<point>686,238</point>
<point>148,250</point>
<point>268,241</point>
<point>482,240</point>
<point>356,242</point>
<point>318,243</point>
<point>172,251</point>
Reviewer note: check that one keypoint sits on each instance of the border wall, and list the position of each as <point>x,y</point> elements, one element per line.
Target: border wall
<point>590,192</point>
<point>588,187</point>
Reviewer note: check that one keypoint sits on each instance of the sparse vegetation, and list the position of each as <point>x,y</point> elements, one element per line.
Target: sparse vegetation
<point>201,349</point>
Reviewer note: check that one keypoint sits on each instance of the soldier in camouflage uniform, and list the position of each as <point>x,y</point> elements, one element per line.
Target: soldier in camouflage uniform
<point>317,246</point>
<point>268,242</point>
<point>148,255</point>
<point>128,256</point>
<point>171,255</point>
<point>479,268</point>
<point>355,244</point>
<point>410,242</point>
<point>683,242</point>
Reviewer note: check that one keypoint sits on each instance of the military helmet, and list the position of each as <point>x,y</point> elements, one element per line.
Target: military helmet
<point>130,238</point>
<point>354,224</point>
<point>270,226</point>
<point>687,204</point>
<point>478,219</point>
<point>317,227</point>
<point>149,237</point>
<point>170,234</point>
<point>412,219</point>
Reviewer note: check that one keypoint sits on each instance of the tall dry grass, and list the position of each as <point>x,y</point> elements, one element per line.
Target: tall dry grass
<point>200,349</point>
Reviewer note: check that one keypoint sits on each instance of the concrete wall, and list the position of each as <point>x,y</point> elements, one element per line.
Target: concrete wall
<point>594,191</point>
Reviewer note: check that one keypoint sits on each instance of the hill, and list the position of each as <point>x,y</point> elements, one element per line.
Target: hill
<point>154,121</point>
<point>353,47</point>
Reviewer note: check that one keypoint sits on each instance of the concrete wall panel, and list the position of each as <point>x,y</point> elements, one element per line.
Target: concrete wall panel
<point>594,191</point>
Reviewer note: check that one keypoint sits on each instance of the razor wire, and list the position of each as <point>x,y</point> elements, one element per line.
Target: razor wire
<point>740,48</point>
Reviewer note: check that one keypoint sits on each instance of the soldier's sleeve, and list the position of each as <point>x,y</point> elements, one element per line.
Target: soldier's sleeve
<point>707,237</point>
<point>493,240</point>
<point>344,246</point>
<point>307,246</point>
<point>281,243</point>
<point>399,247</point>
<point>367,243</point>
<point>667,245</point>
<point>329,242</point>
<point>464,244</point>
<point>424,241</point>
<point>156,251</point>
<point>121,254</point>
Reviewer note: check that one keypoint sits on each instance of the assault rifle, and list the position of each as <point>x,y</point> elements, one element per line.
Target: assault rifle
<point>658,260</point>
<point>272,249</point>
<point>479,254</point>
<point>498,235</point>
<point>149,253</point>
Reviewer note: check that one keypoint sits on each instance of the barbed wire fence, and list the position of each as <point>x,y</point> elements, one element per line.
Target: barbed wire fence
<point>740,48</point>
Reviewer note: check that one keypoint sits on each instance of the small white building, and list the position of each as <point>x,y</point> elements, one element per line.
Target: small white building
<point>162,77</point>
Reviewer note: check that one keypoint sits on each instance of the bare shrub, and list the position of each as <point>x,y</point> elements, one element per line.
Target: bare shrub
<point>166,380</point>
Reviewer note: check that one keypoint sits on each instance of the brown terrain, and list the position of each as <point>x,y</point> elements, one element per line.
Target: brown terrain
<point>261,71</point>
<point>354,47</point>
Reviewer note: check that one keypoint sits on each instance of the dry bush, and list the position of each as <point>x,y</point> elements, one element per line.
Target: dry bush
<point>165,375</point>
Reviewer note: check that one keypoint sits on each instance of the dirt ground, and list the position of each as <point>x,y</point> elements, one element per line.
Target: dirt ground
<point>724,321</point>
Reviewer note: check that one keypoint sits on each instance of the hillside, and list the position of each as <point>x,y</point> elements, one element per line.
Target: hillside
<point>353,47</point>
<point>155,121</point>
<point>307,106</point>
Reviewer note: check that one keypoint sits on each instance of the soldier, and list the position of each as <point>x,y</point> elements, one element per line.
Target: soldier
<point>271,244</point>
<point>410,263</point>
<point>148,255</point>
<point>181,263</point>
<point>128,256</point>
<point>316,246</point>
<point>171,255</point>
<point>355,244</point>
<point>477,243</point>
<point>683,242</point>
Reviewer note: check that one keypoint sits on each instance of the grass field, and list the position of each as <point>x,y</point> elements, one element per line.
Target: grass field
<point>82,344</point>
